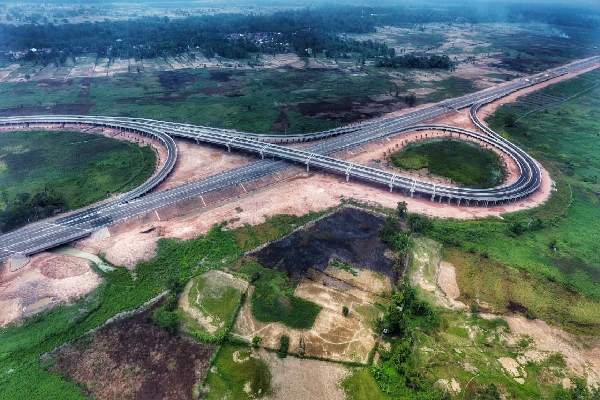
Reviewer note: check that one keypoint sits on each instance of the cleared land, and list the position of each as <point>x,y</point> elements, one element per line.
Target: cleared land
<point>134,359</point>
<point>463,163</point>
<point>45,282</point>
<point>243,373</point>
<point>83,168</point>
<point>332,335</point>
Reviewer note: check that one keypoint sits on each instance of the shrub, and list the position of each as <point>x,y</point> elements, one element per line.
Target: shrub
<point>284,345</point>
<point>419,223</point>
<point>345,311</point>
<point>405,311</point>
<point>401,243</point>
<point>168,320</point>
<point>254,277</point>
<point>517,228</point>
<point>390,228</point>
<point>401,209</point>
<point>166,316</point>
<point>489,393</point>
<point>256,341</point>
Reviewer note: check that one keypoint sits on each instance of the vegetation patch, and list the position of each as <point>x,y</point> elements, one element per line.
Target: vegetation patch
<point>210,302</point>
<point>238,373</point>
<point>46,172</point>
<point>464,163</point>
<point>270,100</point>
<point>273,299</point>
<point>361,385</point>
<point>512,290</point>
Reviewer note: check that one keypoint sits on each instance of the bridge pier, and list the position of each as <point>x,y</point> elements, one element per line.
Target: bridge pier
<point>17,261</point>
<point>391,184</point>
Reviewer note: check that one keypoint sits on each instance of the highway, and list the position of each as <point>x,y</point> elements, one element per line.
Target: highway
<point>50,233</point>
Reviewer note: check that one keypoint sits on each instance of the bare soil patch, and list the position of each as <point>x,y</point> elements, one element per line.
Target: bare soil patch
<point>195,162</point>
<point>333,336</point>
<point>298,379</point>
<point>46,281</point>
<point>581,359</point>
<point>134,359</point>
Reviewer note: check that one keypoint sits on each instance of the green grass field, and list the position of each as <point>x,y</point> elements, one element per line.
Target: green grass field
<point>464,163</point>
<point>273,299</point>
<point>218,299</point>
<point>280,101</point>
<point>235,370</point>
<point>81,167</point>
<point>556,243</point>
<point>360,385</point>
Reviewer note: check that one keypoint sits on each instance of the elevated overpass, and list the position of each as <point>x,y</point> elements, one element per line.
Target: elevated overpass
<point>50,233</point>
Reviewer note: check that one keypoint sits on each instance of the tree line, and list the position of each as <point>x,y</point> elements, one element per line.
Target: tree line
<point>306,32</point>
<point>25,208</point>
<point>415,61</point>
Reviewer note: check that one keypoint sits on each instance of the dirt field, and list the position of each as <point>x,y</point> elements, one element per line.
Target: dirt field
<point>46,281</point>
<point>134,359</point>
<point>196,162</point>
<point>298,379</point>
<point>332,336</point>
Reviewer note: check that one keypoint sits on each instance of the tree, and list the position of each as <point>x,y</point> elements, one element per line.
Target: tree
<point>284,345</point>
<point>256,341</point>
<point>410,99</point>
<point>401,209</point>
<point>345,311</point>
<point>510,120</point>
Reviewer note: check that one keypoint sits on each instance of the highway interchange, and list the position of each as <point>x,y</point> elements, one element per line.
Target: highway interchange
<point>276,157</point>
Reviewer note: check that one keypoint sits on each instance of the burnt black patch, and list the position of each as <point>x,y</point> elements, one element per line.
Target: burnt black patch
<point>350,235</point>
<point>221,76</point>
<point>176,80</point>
